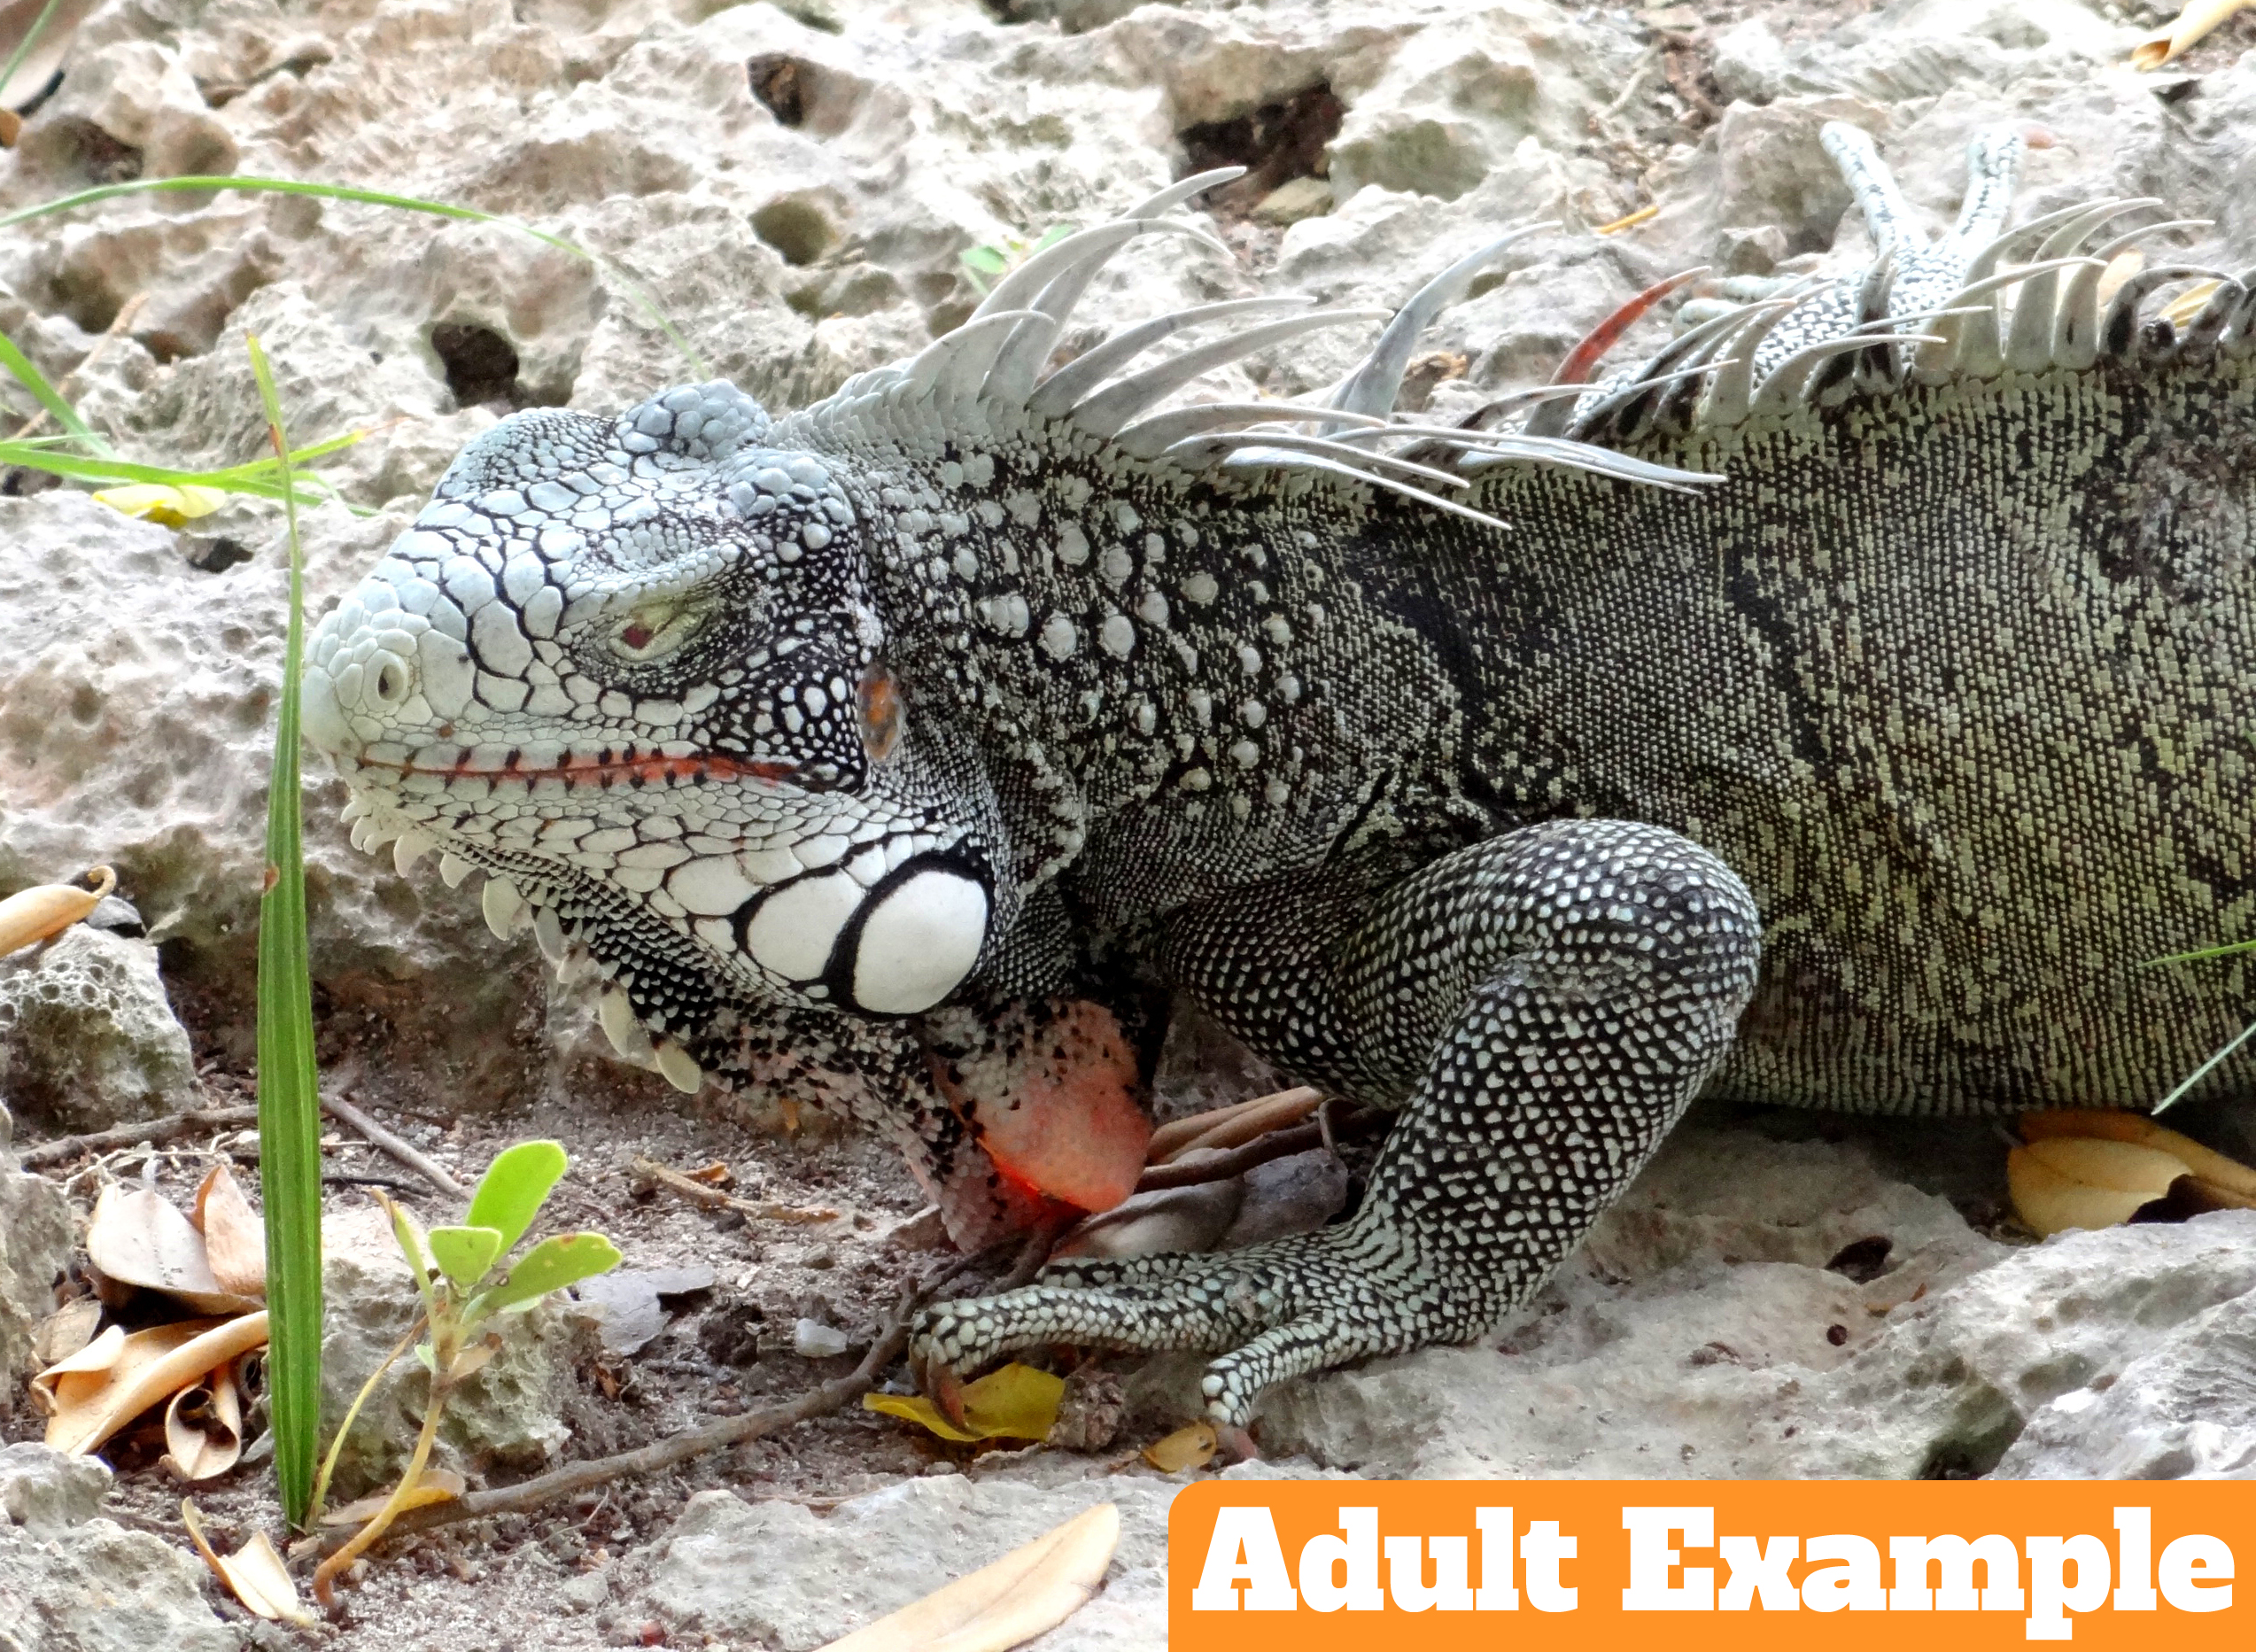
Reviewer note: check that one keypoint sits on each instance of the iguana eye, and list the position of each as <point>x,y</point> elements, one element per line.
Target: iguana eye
<point>656,630</point>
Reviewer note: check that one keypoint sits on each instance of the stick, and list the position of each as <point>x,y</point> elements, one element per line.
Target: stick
<point>421,1163</point>
<point>714,1198</point>
<point>171,1127</point>
<point>661,1455</point>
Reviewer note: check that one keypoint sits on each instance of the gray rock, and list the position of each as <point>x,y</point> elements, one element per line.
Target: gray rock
<point>796,1579</point>
<point>88,1038</point>
<point>98,1587</point>
<point>508,1415</point>
<point>44,1491</point>
<point>36,1242</point>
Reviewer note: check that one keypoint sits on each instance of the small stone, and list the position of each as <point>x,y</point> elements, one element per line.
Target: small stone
<point>811,1339</point>
<point>585,1592</point>
<point>88,1038</point>
<point>45,1491</point>
<point>1749,251</point>
<point>1293,200</point>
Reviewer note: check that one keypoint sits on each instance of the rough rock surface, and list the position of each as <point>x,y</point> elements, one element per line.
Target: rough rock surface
<point>794,186</point>
<point>796,1579</point>
<point>507,1417</point>
<point>35,1241</point>
<point>88,1038</point>
<point>72,1582</point>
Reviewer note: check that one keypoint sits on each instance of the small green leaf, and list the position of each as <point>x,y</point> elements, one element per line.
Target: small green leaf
<point>1052,237</point>
<point>513,1188</point>
<point>464,1253</point>
<point>550,1264</point>
<point>986,259</point>
<point>409,1233</point>
<point>429,1356</point>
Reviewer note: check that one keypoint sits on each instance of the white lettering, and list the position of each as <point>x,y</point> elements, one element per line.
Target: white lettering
<point>1406,1575</point>
<point>1854,1583</point>
<point>2189,1560</point>
<point>1244,1549</point>
<point>2050,1592</point>
<point>2134,1560</point>
<point>1759,1572</point>
<point>1497,1594</point>
<point>1652,1559</point>
<point>1354,1559</point>
<point>1541,1549</point>
<point>1953,1559</point>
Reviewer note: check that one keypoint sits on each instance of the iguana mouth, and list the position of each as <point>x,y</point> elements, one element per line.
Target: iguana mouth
<point>603,769</point>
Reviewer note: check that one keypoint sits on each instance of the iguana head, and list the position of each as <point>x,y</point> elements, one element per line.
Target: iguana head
<point>630,667</point>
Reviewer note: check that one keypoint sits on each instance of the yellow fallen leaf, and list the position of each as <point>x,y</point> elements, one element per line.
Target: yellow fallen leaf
<point>1027,1593</point>
<point>2110,1125</point>
<point>1017,1402</point>
<point>29,916</point>
<point>1190,1446</point>
<point>234,1240</point>
<point>163,503</point>
<point>2183,32</point>
<point>203,1429</point>
<point>438,1486</point>
<point>255,1573</point>
<point>139,1238</point>
<point>2065,1182</point>
<point>115,1378</point>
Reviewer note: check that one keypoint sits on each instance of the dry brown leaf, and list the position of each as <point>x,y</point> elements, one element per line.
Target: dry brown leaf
<point>2067,1181</point>
<point>204,1428</point>
<point>138,1237</point>
<point>64,1331</point>
<point>30,916</point>
<point>255,1573</point>
<point>1232,1126</point>
<point>438,1486</point>
<point>2109,1125</point>
<point>1190,1446</point>
<point>234,1240</point>
<point>115,1378</point>
<point>2188,27</point>
<point>1028,1592</point>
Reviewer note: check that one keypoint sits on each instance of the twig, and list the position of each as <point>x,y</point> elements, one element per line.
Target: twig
<point>171,1127</point>
<point>416,1161</point>
<point>119,322</point>
<point>1276,1144</point>
<point>714,1198</point>
<point>676,1449</point>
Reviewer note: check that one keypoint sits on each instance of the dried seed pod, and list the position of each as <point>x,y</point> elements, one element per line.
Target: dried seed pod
<point>30,916</point>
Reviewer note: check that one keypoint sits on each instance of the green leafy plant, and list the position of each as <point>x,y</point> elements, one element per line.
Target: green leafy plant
<point>985,265</point>
<point>459,1275</point>
<point>290,1102</point>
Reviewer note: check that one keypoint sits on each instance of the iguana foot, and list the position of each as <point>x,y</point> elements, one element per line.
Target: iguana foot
<point>1550,1001</point>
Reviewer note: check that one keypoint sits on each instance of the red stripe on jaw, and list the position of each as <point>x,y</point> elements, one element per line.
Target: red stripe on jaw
<point>587,770</point>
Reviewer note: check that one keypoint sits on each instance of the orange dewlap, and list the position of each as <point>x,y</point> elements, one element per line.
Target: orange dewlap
<point>1069,1125</point>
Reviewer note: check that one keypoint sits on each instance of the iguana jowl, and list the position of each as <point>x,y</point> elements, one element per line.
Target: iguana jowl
<point>854,748</point>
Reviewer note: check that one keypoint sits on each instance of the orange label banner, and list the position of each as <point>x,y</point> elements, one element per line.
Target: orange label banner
<point>1731,1565</point>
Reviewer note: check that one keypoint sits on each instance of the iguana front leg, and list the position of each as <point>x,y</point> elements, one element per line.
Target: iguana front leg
<point>1543,1006</point>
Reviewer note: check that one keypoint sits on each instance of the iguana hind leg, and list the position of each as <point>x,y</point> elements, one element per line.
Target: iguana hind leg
<point>1550,1001</point>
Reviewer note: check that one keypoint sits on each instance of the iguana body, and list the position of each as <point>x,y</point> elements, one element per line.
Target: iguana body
<point>900,724</point>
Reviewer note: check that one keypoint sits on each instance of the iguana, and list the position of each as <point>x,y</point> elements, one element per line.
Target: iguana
<point>1834,710</point>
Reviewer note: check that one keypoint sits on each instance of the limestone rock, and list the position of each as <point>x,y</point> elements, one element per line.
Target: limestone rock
<point>35,1243</point>
<point>45,1491</point>
<point>88,1038</point>
<point>796,1579</point>
<point>98,1587</point>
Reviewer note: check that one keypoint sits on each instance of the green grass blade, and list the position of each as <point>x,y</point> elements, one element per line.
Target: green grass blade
<point>261,478</point>
<point>2232,948</point>
<point>290,1102</point>
<point>46,395</point>
<point>370,197</point>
